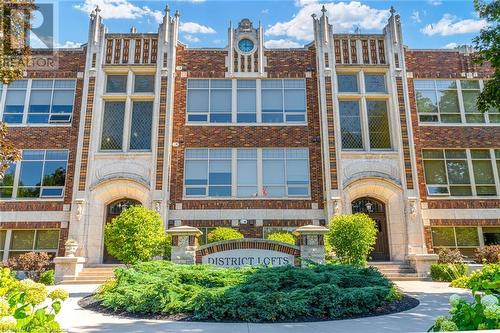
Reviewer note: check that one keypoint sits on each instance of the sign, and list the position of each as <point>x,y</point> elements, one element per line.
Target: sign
<point>248,257</point>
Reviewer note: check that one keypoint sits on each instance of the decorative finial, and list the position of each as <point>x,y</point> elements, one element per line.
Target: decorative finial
<point>97,9</point>
<point>323,9</point>
<point>167,9</point>
<point>177,13</point>
<point>313,15</point>
<point>392,10</point>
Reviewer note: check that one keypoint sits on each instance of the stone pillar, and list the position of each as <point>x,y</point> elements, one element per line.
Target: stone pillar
<point>184,244</point>
<point>422,263</point>
<point>312,244</point>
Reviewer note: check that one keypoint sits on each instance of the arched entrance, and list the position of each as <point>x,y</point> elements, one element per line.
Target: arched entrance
<point>376,210</point>
<point>113,210</point>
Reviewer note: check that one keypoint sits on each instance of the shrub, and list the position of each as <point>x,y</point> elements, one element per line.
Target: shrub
<point>222,234</point>
<point>167,248</point>
<point>137,234</point>
<point>21,307</point>
<point>282,236</point>
<point>352,237</point>
<point>450,256</point>
<point>33,263</point>
<point>47,278</point>
<point>488,254</point>
<point>460,282</point>
<point>249,294</point>
<point>486,280</point>
<point>447,272</point>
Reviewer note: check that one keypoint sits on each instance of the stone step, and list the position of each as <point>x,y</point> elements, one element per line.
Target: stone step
<point>78,281</point>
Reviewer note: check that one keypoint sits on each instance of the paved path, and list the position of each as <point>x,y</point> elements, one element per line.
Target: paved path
<point>433,298</point>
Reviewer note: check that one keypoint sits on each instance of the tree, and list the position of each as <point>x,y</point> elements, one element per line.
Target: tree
<point>223,233</point>
<point>352,237</point>
<point>8,153</point>
<point>488,50</point>
<point>136,235</point>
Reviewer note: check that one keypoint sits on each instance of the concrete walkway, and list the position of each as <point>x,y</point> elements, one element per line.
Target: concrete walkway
<point>433,298</point>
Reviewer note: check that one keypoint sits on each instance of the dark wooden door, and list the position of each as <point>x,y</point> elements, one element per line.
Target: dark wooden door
<point>376,210</point>
<point>113,210</point>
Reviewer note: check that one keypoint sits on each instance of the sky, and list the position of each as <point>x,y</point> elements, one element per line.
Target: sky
<point>287,23</point>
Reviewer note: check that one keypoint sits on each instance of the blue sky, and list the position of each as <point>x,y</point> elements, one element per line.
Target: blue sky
<point>204,23</point>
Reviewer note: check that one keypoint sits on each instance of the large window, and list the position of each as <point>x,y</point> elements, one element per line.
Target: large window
<point>39,102</point>
<point>466,239</point>
<point>460,172</point>
<point>363,113</point>
<point>257,101</point>
<point>451,101</point>
<point>23,241</point>
<point>128,113</point>
<point>246,173</point>
<point>40,174</point>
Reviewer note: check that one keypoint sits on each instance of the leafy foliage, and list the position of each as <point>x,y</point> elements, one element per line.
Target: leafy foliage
<point>488,254</point>
<point>282,236</point>
<point>33,263</point>
<point>450,256</point>
<point>21,305</point>
<point>223,233</point>
<point>447,272</point>
<point>8,153</point>
<point>48,278</point>
<point>486,280</point>
<point>249,294</point>
<point>488,46</point>
<point>352,237</point>
<point>137,234</point>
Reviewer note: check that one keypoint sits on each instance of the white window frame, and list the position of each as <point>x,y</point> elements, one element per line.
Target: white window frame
<point>258,105</point>
<point>234,175</point>
<point>461,106</point>
<point>129,97</point>
<point>27,98</point>
<point>472,184</point>
<point>8,240</point>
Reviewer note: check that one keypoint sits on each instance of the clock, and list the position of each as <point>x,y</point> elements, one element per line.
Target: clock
<point>245,45</point>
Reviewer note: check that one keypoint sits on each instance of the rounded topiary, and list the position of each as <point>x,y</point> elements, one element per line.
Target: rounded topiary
<point>137,234</point>
<point>223,233</point>
<point>352,237</point>
<point>282,236</point>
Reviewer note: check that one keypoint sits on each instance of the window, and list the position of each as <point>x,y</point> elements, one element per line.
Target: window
<point>459,172</point>
<point>23,241</point>
<point>347,83</point>
<point>466,239</point>
<point>350,125</point>
<point>140,133</point>
<point>378,125</point>
<point>375,83</point>
<point>116,84</point>
<point>144,84</point>
<point>491,235</point>
<point>112,126</point>
<point>438,101</point>
<point>212,173</point>
<point>211,101</point>
<point>7,182</point>
<point>14,102</point>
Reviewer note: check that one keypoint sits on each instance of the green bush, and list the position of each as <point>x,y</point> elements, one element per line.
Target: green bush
<point>48,278</point>
<point>282,236</point>
<point>352,237</point>
<point>486,280</point>
<point>249,294</point>
<point>137,234</point>
<point>222,234</point>
<point>167,248</point>
<point>447,272</point>
<point>460,282</point>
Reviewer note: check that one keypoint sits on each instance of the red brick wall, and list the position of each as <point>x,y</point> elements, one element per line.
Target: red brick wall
<point>211,64</point>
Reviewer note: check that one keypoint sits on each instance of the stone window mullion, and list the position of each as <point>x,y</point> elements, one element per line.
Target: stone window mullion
<point>471,173</point>
<point>17,173</point>
<point>8,237</point>
<point>258,102</point>
<point>461,102</point>
<point>234,101</point>
<point>127,119</point>
<point>27,101</point>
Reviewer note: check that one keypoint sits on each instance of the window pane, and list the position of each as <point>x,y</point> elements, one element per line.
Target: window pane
<point>470,98</point>
<point>455,153</point>
<point>448,101</point>
<point>435,172</point>
<point>443,237</point>
<point>432,153</point>
<point>297,172</point>
<point>198,83</point>
<point>247,172</point>
<point>467,236</point>
<point>196,172</point>
<point>220,101</point>
<point>483,172</point>
<point>246,101</point>
<point>31,173</point>
<point>7,182</point>
<point>140,132</point>
<point>54,173</point>
<point>22,240</point>
<point>491,235</point>
<point>63,101</point>
<point>272,100</point>
<point>220,172</point>
<point>347,82</point>
<point>469,84</point>
<point>112,126</point>
<point>274,172</point>
<point>378,124</point>
<point>47,239</point>
<point>295,100</point>
<point>144,83</point>
<point>458,172</point>
<point>350,125</point>
<point>426,101</point>
<point>375,83</point>
<point>40,101</point>
<point>460,191</point>
<point>116,84</point>
<point>197,101</point>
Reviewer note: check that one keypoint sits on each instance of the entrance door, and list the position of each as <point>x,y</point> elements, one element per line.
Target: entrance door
<point>113,210</point>
<point>376,210</point>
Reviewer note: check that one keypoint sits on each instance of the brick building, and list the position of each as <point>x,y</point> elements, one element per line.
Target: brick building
<point>252,138</point>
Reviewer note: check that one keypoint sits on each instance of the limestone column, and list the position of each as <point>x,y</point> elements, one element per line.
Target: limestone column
<point>184,244</point>
<point>312,244</point>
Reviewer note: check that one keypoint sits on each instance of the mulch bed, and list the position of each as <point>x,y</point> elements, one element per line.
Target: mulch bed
<point>90,303</point>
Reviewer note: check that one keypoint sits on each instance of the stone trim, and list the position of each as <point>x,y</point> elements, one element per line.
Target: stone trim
<point>86,135</point>
<point>160,152</point>
<point>463,222</point>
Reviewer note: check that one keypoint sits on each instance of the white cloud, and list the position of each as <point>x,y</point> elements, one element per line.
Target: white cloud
<point>450,46</point>
<point>68,45</point>
<point>435,2</point>
<point>344,17</point>
<point>195,28</point>
<point>301,3</point>
<point>450,25</point>
<point>264,11</point>
<point>192,39</point>
<point>415,16</point>
<point>281,44</point>
<point>120,9</point>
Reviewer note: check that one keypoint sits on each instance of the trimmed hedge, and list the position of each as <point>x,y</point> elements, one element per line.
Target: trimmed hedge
<point>222,234</point>
<point>447,272</point>
<point>282,236</point>
<point>248,294</point>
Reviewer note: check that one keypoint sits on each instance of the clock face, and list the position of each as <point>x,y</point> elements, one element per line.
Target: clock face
<point>245,45</point>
